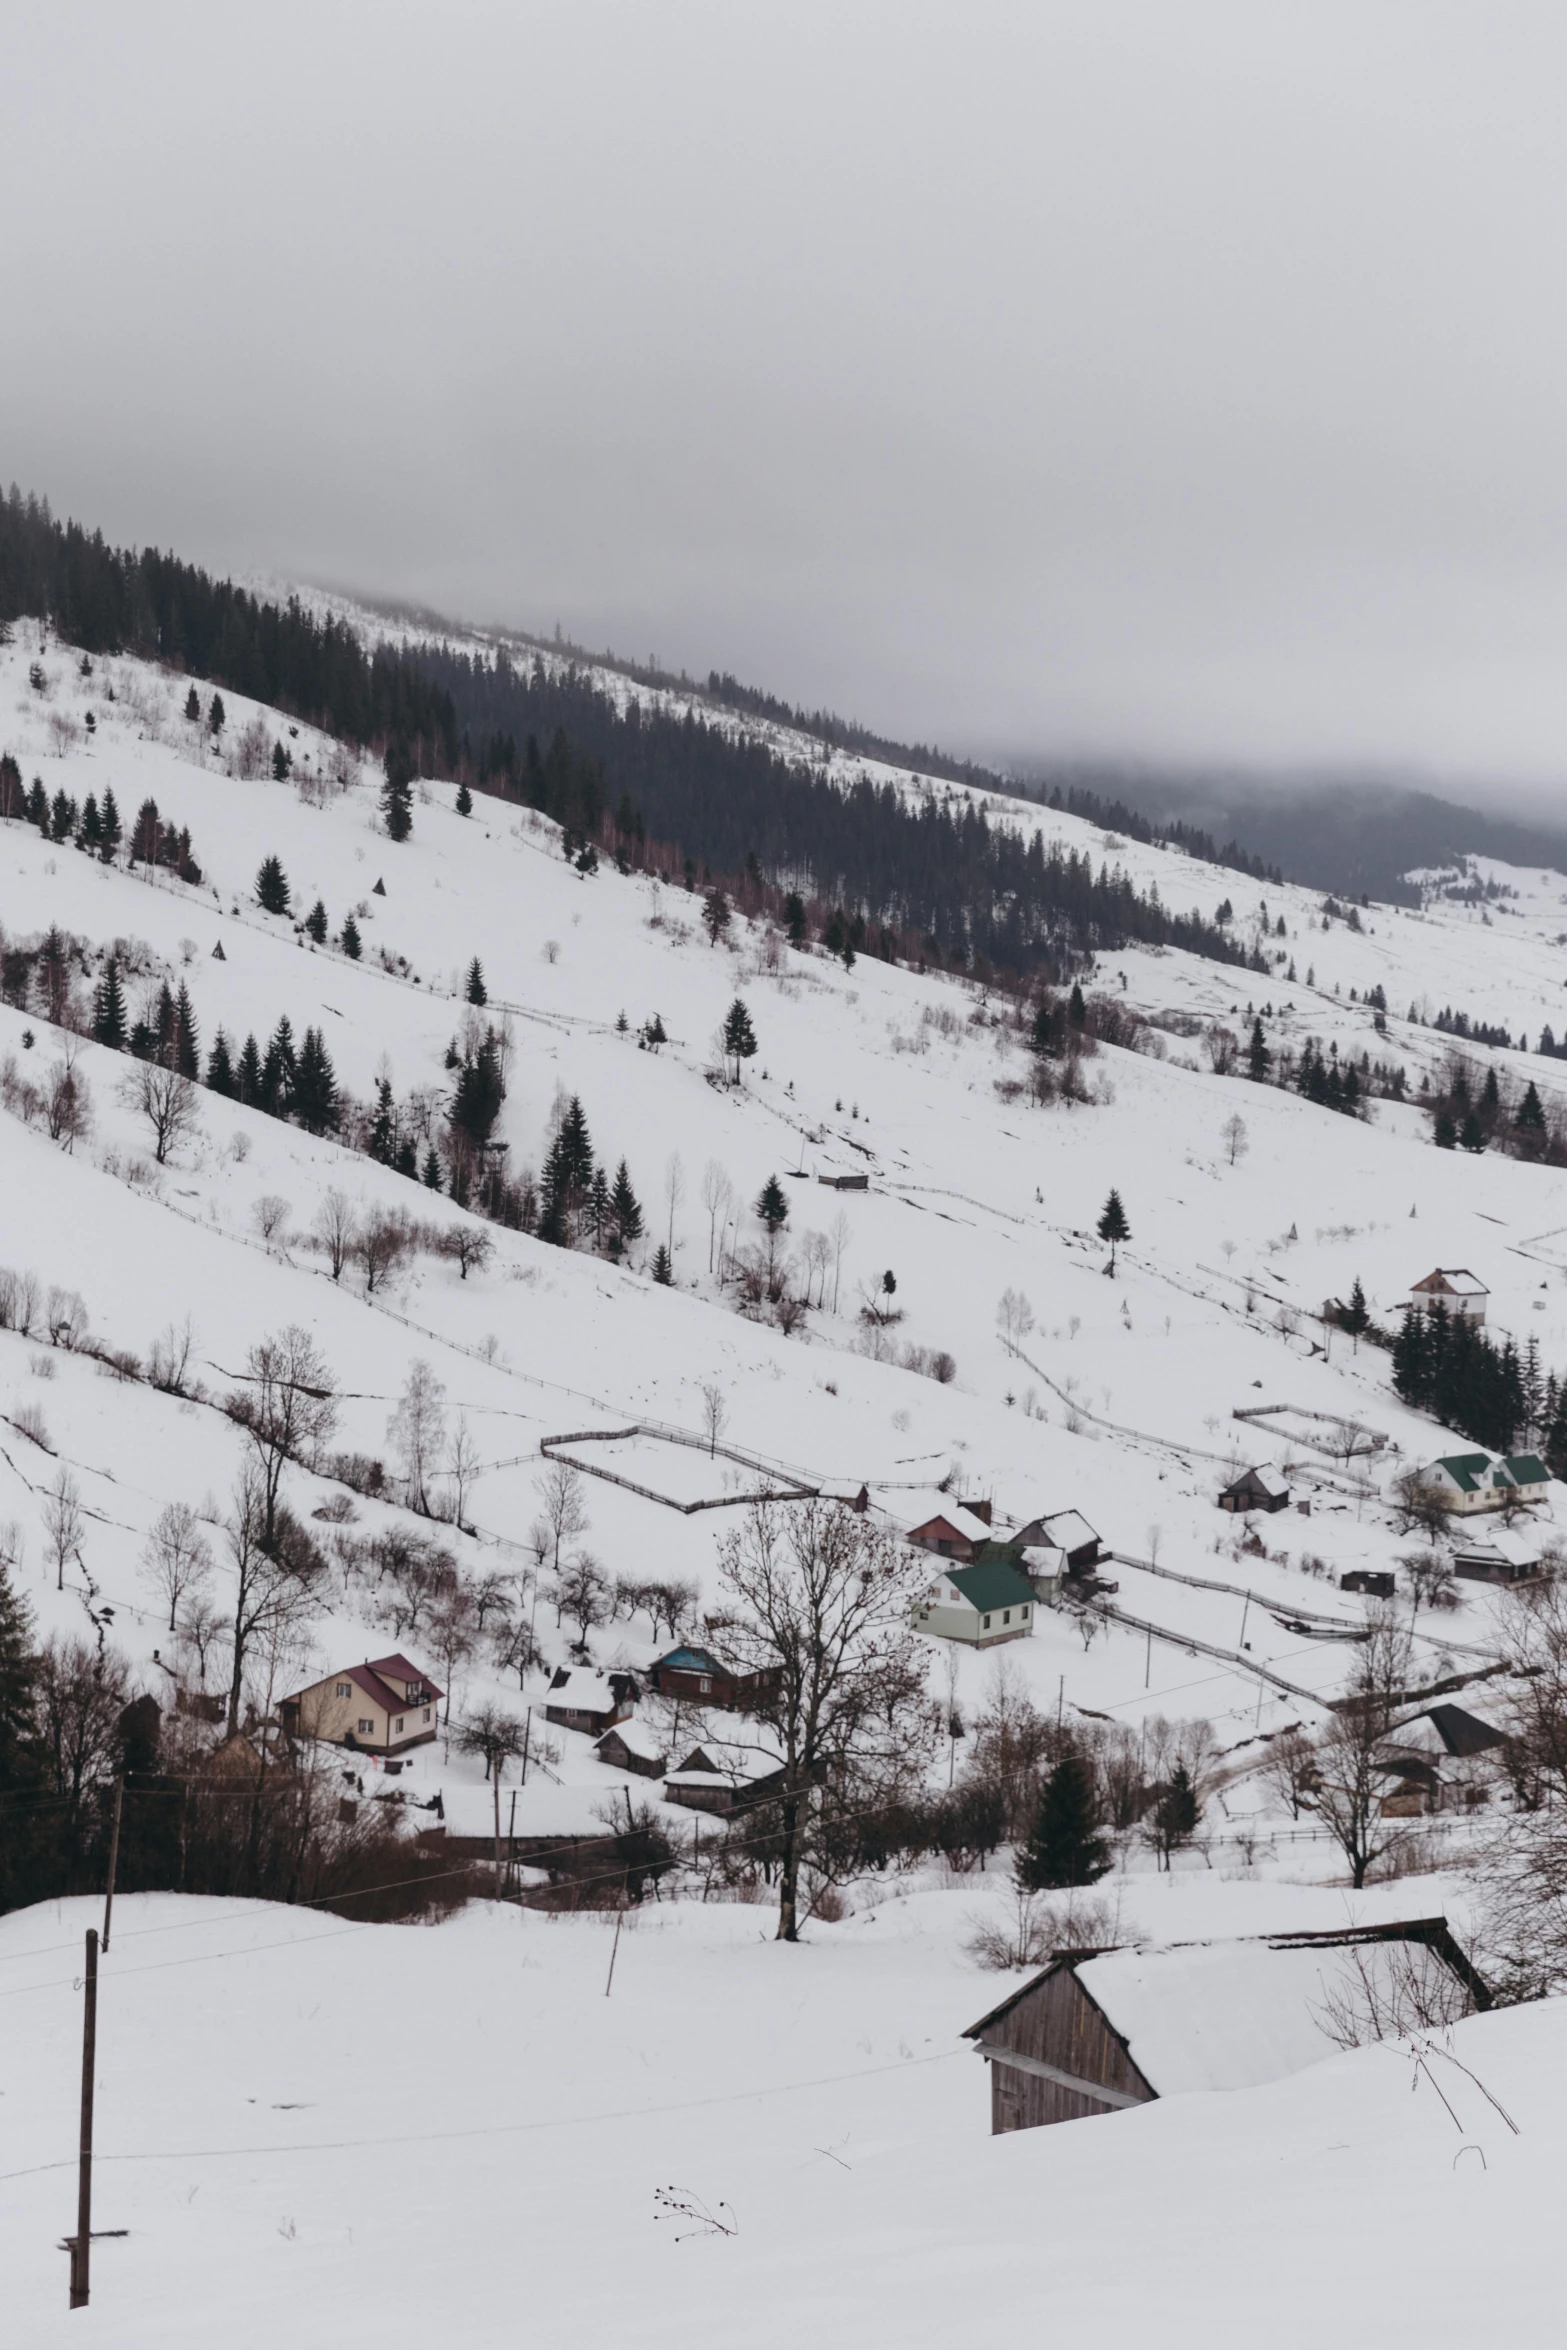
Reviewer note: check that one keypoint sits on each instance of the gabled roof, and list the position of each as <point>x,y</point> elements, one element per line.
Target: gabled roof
<point>1468,1470</point>
<point>1267,1480</point>
<point>582,1690</point>
<point>962,1522</point>
<point>368,1679</point>
<point>991,1586</point>
<point>1498,1542</point>
<point>688,1660</point>
<point>1069,1528</point>
<point>1524,1468</point>
<point>636,1737</point>
<point>1450,1728</point>
<point>1452,1281</point>
<point>1233,2014</point>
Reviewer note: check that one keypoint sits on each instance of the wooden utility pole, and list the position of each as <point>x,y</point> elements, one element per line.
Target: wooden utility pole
<point>114,1855</point>
<point>81,2242</point>
<point>496,1776</point>
<point>511,1834</point>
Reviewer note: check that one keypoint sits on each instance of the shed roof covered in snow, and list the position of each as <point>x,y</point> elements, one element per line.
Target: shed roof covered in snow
<point>1450,1281</point>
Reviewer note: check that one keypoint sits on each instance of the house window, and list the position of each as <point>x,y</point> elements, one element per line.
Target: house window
<point>399,1725</point>
<point>344,1689</point>
<point>367,1729</point>
<point>705,1684</point>
<point>1025,1615</point>
<point>987,1624</point>
<point>427,1713</point>
<point>1007,1617</point>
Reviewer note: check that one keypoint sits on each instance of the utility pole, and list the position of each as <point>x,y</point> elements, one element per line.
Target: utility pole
<point>527,1733</point>
<point>511,1834</point>
<point>1148,1662</point>
<point>81,2242</point>
<point>114,1855</point>
<point>496,1777</point>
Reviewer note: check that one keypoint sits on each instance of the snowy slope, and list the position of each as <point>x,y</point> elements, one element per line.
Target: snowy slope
<point>1120,1404</point>
<point>300,2121</point>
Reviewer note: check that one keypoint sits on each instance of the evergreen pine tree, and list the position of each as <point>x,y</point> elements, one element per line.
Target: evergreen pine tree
<point>166,1027</point>
<point>596,1213</point>
<point>281,763</point>
<point>715,914</point>
<point>464,800</point>
<point>279,1069</point>
<point>316,923</point>
<point>38,805</point>
<point>1257,1054</point>
<point>220,1067</point>
<point>1443,1132</point>
<point>772,1207</point>
<point>248,1076</point>
<point>432,1169</point>
<point>1113,1226</point>
<point>625,1208</point>
<point>479,1095</point>
<point>1076,1009</point>
<point>1176,1814</point>
<point>663,1270</point>
<point>739,1035</point>
<point>108,1010</point>
<point>187,1039</point>
<point>1471,1135</point>
<point>272,887</point>
<point>91,835</point>
<point>407,1160</point>
<point>111,828</point>
<point>314,1101</point>
<point>1531,1116</point>
<point>794,918</point>
<point>381,1143</point>
<point>217,717</point>
<point>475,989</point>
<point>351,946</point>
<point>397,792</point>
<point>1356,1316</point>
<point>193,707</point>
<point>1064,1846</point>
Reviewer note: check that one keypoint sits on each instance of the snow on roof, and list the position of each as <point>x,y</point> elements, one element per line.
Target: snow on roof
<point>1500,1542</point>
<point>637,1738</point>
<point>1070,1528</point>
<point>1271,1481</point>
<point>1042,1558</point>
<point>963,1522</point>
<point>583,1691</point>
<point>1453,1281</point>
<point>1231,2015</point>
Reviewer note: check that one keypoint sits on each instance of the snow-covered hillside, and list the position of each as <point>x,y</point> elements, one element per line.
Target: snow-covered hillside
<point>1116,1400</point>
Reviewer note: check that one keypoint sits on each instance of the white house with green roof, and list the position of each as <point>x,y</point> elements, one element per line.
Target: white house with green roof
<point>1475,1481</point>
<point>977,1605</point>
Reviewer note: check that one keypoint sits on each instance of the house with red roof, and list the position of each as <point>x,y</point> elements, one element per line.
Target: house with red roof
<point>380,1707</point>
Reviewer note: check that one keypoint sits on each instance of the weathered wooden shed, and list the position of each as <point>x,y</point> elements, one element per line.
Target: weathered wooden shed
<point>1103,2030</point>
<point>1258,1488</point>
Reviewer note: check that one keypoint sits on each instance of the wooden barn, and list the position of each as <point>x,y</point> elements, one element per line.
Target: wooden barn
<point>630,1745</point>
<point>1259,1488</point>
<point>580,1699</point>
<point>1099,2031</point>
<point>1067,1531</point>
<point>1370,1582</point>
<point>1461,1293</point>
<point>697,1677</point>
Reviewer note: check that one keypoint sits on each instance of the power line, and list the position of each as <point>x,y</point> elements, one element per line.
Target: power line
<point>497,2129</point>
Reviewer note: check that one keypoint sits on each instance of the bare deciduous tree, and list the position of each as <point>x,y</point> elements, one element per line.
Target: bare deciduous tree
<point>168,1365</point>
<point>1014,1319</point>
<point>1355,1768</point>
<point>417,1431</point>
<point>817,1603</point>
<point>274,1570</point>
<point>64,1523</point>
<point>562,1512</point>
<point>383,1240</point>
<point>167,1101</point>
<point>1236,1139</point>
<point>337,1228</point>
<point>717,1194</point>
<point>67,1097</point>
<point>177,1558</point>
<point>288,1410</point>
<point>493,1734</point>
<point>462,1465</point>
<point>1421,1505</point>
<point>468,1246</point>
<point>82,1693</point>
<point>582,1594</point>
<point>715,1411</point>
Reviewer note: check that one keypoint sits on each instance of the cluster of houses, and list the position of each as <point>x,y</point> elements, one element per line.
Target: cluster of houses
<point>991,1579</point>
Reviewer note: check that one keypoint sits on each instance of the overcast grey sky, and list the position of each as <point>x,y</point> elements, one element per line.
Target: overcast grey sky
<point>1174,379</point>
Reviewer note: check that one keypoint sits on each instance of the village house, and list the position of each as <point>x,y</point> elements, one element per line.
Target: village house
<point>1502,1554</point>
<point>722,1788</point>
<point>977,1605</point>
<point>631,1746</point>
<point>1441,1754</point>
<point>958,1530</point>
<point>579,1698</point>
<point>1067,1531</point>
<point>697,1677</point>
<point>1471,1482</point>
<point>381,1707</point>
<point>1454,1287</point>
<point>1258,1488</point>
<point>1370,1582</point>
<point>1099,2031</point>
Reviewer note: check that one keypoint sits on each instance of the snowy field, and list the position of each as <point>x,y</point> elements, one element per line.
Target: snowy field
<point>297,2118</point>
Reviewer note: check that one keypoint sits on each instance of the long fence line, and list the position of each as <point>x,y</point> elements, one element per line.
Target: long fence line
<point>1342,1628</point>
